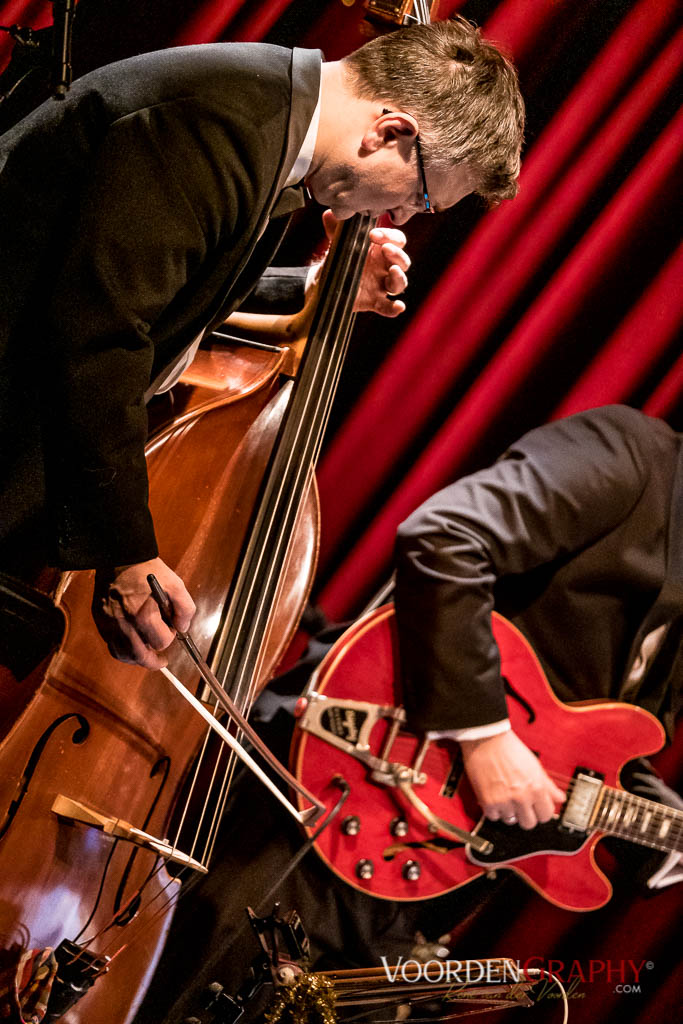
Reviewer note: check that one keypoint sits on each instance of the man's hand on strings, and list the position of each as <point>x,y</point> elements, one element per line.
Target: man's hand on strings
<point>509,781</point>
<point>384,274</point>
<point>128,617</point>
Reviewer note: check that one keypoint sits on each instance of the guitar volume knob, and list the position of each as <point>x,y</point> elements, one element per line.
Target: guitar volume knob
<point>411,871</point>
<point>399,827</point>
<point>365,869</point>
<point>350,826</point>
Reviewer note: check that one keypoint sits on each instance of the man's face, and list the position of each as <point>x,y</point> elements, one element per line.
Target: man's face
<point>388,181</point>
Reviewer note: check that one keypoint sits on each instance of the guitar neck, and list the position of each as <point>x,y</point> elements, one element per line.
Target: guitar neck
<point>641,821</point>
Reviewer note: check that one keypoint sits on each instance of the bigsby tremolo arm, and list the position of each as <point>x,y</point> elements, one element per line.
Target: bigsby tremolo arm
<point>328,719</point>
<point>404,783</point>
<point>357,718</point>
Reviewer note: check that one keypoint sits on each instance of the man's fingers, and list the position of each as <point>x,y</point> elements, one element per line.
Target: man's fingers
<point>395,281</point>
<point>558,795</point>
<point>126,644</point>
<point>393,254</point>
<point>183,610</point>
<point>520,814</point>
<point>329,223</point>
<point>386,306</point>
<point>528,809</point>
<point>128,616</point>
<point>151,627</point>
<point>393,236</point>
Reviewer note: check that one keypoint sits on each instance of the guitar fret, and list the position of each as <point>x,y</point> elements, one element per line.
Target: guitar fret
<point>612,814</point>
<point>630,813</point>
<point>632,817</point>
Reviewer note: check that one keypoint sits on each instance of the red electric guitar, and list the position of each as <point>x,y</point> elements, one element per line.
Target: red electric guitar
<point>411,828</point>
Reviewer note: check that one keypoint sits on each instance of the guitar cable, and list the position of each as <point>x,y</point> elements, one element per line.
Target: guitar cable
<point>539,973</point>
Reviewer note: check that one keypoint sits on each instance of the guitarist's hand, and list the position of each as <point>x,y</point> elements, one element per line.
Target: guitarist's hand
<point>509,780</point>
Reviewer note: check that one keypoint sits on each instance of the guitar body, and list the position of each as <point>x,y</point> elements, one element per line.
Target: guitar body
<point>362,666</point>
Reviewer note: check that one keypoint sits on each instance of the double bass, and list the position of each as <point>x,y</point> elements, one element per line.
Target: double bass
<point>103,808</point>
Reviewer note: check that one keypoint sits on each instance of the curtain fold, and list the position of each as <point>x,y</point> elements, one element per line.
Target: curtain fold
<point>207,21</point>
<point>635,347</point>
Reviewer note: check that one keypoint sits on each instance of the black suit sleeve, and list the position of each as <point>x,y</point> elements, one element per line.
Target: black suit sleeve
<point>279,290</point>
<point>555,492</point>
<point>143,228</point>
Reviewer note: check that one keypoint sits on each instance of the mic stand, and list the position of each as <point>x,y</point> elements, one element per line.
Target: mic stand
<point>31,49</point>
<point>63,12</point>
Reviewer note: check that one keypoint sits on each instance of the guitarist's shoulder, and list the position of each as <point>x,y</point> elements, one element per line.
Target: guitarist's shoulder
<point>623,420</point>
<point>619,432</point>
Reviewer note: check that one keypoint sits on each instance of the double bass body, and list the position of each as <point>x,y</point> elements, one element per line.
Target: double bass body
<point>118,740</point>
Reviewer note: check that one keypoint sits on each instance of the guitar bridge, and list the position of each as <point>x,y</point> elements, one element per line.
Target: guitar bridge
<point>578,812</point>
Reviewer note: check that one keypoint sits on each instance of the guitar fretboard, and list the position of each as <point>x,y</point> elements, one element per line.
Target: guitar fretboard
<point>641,821</point>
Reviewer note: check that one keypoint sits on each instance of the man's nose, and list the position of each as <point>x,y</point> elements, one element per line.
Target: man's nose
<point>400,214</point>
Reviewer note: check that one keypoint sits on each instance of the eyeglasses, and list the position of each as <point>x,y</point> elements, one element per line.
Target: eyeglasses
<point>420,163</point>
<point>425,194</point>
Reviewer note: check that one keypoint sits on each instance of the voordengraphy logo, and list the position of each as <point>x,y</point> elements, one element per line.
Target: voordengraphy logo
<point>624,975</point>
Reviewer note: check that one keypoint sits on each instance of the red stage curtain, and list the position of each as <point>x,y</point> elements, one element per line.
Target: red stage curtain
<point>502,275</point>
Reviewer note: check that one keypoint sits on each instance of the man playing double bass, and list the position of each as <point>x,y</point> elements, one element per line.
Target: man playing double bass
<point>138,213</point>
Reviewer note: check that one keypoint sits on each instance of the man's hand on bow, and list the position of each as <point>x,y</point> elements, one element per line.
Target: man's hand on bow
<point>128,617</point>
<point>384,275</point>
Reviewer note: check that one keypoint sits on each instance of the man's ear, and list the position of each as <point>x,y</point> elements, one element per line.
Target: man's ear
<point>389,129</point>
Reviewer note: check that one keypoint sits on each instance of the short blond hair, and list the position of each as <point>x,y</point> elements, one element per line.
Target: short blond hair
<point>462,91</point>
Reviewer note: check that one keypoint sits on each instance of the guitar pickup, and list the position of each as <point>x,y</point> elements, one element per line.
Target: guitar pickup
<point>578,811</point>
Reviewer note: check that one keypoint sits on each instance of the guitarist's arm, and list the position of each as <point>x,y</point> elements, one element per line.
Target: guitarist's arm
<point>559,489</point>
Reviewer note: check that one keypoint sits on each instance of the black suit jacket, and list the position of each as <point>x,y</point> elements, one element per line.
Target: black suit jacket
<point>132,216</point>
<point>574,535</point>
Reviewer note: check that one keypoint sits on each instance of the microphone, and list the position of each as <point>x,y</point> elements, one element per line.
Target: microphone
<point>63,12</point>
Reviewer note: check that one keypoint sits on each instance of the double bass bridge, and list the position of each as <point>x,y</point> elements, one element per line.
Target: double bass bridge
<point>79,813</point>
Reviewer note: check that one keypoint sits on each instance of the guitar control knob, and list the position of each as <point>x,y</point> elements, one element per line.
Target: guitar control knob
<point>350,826</point>
<point>365,869</point>
<point>399,827</point>
<point>411,871</point>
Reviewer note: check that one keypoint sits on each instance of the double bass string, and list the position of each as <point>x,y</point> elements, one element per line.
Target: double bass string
<point>260,588</point>
<point>310,421</point>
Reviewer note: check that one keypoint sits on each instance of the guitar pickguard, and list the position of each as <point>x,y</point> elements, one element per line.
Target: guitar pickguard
<point>512,843</point>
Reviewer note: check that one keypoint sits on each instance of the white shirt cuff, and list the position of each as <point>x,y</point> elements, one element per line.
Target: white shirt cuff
<point>475,732</point>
